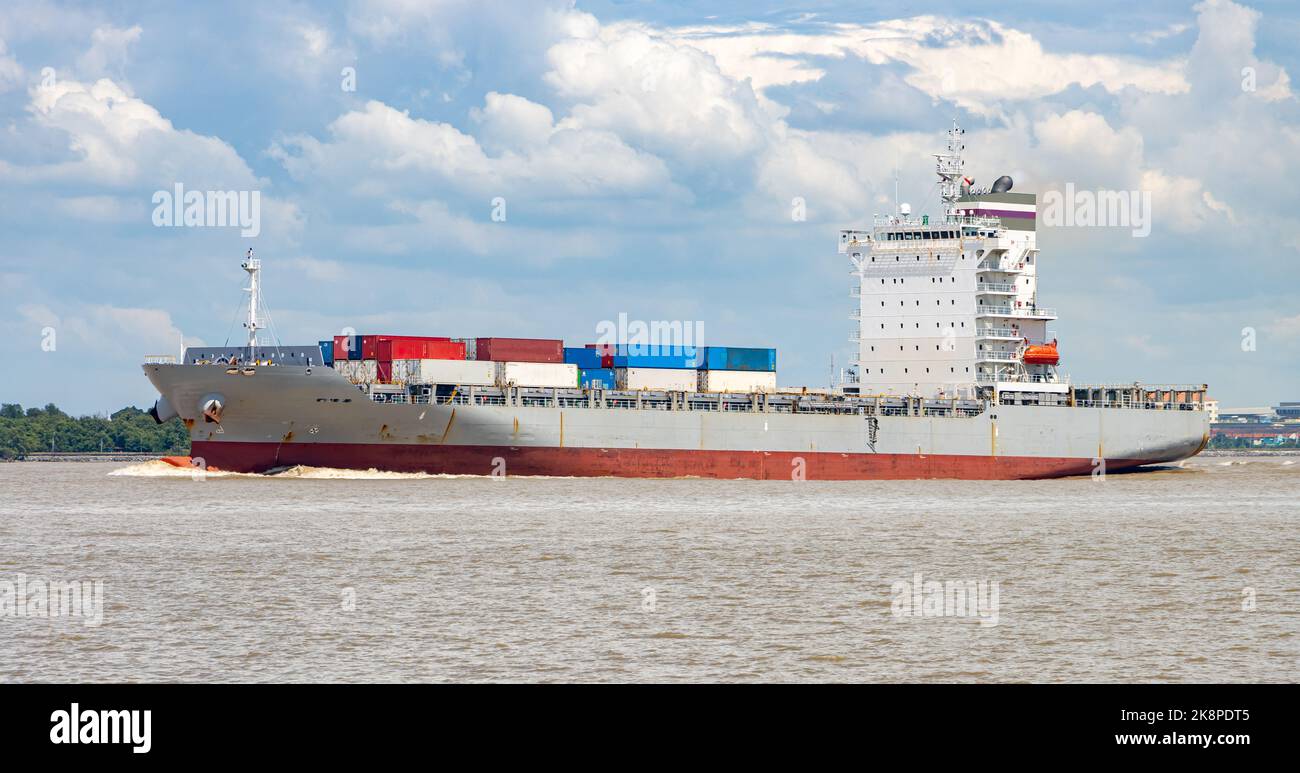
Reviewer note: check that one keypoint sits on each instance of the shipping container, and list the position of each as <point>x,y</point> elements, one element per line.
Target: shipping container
<point>341,347</point>
<point>596,378</point>
<point>646,355</point>
<point>537,374</point>
<point>471,347</point>
<point>354,347</point>
<point>662,379</point>
<point>520,350</point>
<point>678,362</point>
<point>737,358</point>
<point>411,348</point>
<point>438,371</point>
<point>384,371</point>
<point>369,347</point>
<point>358,371</point>
<point>645,350</point>
<point>585,359</point>
<point>327,353</point>
<point>737,381</point>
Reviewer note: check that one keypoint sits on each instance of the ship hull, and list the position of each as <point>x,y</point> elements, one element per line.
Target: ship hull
<point>640,462</point>
<point>284,416</point>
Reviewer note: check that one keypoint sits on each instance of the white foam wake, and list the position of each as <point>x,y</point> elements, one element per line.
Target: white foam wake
<point>160,469</point>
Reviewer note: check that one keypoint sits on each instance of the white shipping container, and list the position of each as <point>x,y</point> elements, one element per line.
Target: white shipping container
<point>358,371</point>
<point>661,379</point>
<point>737,381</point>
<point>537,374</point>
<point>463,372</point>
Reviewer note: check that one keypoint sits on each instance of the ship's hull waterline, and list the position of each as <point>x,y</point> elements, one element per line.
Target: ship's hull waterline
<point>281,416</point>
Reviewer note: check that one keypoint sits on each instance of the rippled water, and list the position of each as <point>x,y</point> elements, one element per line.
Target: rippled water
<point>322,575</point>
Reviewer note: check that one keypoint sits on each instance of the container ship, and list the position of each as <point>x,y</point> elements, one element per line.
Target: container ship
<point>956,375</point>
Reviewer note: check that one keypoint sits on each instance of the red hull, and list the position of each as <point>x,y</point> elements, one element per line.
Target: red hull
<point>637,462</point>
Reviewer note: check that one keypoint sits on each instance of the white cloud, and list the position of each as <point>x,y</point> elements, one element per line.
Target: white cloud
<point>11,73</point>
<point>108,51</point>
<point>981,66</point>
<point>1150,37</point>
<point>1286,328</point>
<point>105,331</point>
<point>384,151</point>
<point>669,98</point>
<point>117,140</point>
<point>509,122</point>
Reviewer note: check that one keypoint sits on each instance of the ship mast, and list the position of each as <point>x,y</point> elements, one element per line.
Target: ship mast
<point>949,167</point>
<point>254,267</point>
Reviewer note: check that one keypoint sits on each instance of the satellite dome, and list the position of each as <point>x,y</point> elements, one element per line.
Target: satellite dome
<point>1002,184</point>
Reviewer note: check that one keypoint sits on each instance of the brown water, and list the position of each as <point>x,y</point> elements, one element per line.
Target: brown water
<point>323,576</point>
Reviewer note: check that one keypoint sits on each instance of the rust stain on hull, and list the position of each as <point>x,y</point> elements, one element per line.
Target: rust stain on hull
<point>450,420</point>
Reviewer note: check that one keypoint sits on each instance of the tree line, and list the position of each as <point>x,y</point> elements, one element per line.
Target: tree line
<point>49,429</point>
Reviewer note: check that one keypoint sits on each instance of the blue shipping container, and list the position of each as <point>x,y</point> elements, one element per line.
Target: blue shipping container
<point>654,350</point>
<point>664,361</point>
<point>354,347</point>
<point>327,353</point>
<point>585,359</point>
<point>737,358</point>
<point>596,378</point>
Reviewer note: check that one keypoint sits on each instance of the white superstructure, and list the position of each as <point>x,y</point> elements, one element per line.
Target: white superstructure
<point>948,306</point>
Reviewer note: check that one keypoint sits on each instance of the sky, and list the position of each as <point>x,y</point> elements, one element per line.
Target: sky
<point>535,168</point>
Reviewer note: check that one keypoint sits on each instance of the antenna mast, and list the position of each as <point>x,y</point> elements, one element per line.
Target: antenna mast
<point>949,167</point>
<point>254,267</point>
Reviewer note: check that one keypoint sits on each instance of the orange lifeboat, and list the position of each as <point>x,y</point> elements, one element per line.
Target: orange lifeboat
<point>1042,354</point>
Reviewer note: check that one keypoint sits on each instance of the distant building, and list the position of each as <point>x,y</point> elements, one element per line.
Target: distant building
<point>1246,415</point>
<point>1212,408</point>
<point>1288,411</point>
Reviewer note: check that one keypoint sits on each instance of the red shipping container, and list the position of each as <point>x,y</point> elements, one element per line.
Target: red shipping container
<point>370,347</point>
<point>389,347</point>
<point>520,349</point>
<point>384,371</point>
<point>444,350</point>
<point>340,347</point>
<point>409,348</point>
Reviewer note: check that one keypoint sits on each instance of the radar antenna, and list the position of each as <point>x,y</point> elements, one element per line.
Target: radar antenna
<point>254,323</point>
<point>949,167</point>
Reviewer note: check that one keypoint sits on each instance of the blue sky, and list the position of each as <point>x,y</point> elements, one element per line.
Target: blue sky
<point>648,154</point>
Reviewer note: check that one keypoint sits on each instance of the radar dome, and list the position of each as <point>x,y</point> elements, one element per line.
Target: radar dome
<point>1002,184</point>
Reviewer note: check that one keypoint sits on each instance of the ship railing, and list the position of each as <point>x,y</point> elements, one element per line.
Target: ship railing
<point>925,221</point>
<point>997,332</point>
<point>995,287</point>
<point>991,356</point>
<point>1145,405</point>
<point>1033,378</point>
<point>160,359</point>
<point>996,264</point>
<point>1015,311</point>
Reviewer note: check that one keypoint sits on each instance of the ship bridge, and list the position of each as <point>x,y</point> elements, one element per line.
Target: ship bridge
<point>947,304</point>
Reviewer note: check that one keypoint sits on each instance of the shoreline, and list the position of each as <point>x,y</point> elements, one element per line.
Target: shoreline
<point>106,456</point>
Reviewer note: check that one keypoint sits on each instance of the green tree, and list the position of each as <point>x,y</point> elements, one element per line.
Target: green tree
<point>130,429</point>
